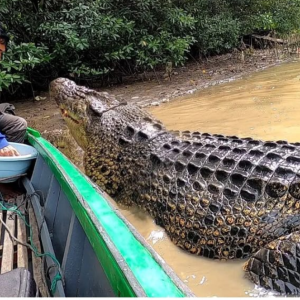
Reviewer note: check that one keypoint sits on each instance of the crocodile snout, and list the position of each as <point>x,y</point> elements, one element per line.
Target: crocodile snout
<point>61,86</point>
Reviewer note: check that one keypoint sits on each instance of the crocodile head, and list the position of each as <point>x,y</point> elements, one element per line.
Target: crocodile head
<point>117,138</point>
<point>79,106</point>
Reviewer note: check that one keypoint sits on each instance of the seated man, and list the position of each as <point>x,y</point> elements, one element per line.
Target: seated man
<point>12,128</point>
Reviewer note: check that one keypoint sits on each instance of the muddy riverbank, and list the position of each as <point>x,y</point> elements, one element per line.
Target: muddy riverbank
<point>154,89</point>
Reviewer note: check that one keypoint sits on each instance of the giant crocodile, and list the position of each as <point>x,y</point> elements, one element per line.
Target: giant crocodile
<point>218,196</point>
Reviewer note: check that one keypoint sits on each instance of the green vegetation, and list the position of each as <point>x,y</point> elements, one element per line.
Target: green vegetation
<point>100,39</point>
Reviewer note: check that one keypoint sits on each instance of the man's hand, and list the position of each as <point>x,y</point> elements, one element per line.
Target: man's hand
<point>9,151</point>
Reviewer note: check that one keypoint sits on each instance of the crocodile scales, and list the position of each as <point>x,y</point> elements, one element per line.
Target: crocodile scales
<point>218,196</point>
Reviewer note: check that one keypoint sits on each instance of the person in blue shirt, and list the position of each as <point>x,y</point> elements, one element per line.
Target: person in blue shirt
<point>5,148</point>
<point>12,128</point>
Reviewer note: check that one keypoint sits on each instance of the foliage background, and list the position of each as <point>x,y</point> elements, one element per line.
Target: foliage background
<point>103,39</point>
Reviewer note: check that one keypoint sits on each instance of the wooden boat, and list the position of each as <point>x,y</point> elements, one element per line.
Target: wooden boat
<point>86,247</point>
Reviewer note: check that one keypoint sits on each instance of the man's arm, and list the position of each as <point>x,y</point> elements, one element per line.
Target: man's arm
<point>3,141</point>
<point>5,148</point>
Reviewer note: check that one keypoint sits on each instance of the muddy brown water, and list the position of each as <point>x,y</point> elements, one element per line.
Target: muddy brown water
<point>265,105</point>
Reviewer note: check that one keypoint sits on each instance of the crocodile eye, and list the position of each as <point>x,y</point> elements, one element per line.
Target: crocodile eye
<point>64,112</point>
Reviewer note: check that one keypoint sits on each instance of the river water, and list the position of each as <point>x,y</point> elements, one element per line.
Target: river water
<point>264,105</point>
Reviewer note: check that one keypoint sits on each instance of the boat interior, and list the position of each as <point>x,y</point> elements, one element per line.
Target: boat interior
<point>21,254</point>
<point>59,236</point>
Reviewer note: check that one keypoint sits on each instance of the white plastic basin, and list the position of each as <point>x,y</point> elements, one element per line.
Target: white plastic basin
<point>14,166</point>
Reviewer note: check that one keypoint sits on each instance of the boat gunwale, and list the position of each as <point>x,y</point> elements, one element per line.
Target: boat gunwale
<point>92,225</point>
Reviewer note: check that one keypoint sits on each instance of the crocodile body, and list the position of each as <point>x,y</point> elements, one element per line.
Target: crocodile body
<point>216,196</point>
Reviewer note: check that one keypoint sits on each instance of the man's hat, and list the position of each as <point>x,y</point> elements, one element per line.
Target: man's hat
<point>3,34</point>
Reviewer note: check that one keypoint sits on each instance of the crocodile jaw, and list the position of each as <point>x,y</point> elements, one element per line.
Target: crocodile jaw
<point>73,107</point>
<point>79,106</point>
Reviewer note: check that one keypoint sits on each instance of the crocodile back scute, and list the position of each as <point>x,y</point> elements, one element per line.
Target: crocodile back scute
<point>215,192</point>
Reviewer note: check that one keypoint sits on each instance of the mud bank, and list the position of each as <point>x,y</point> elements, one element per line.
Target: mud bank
<point>154,88</point>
